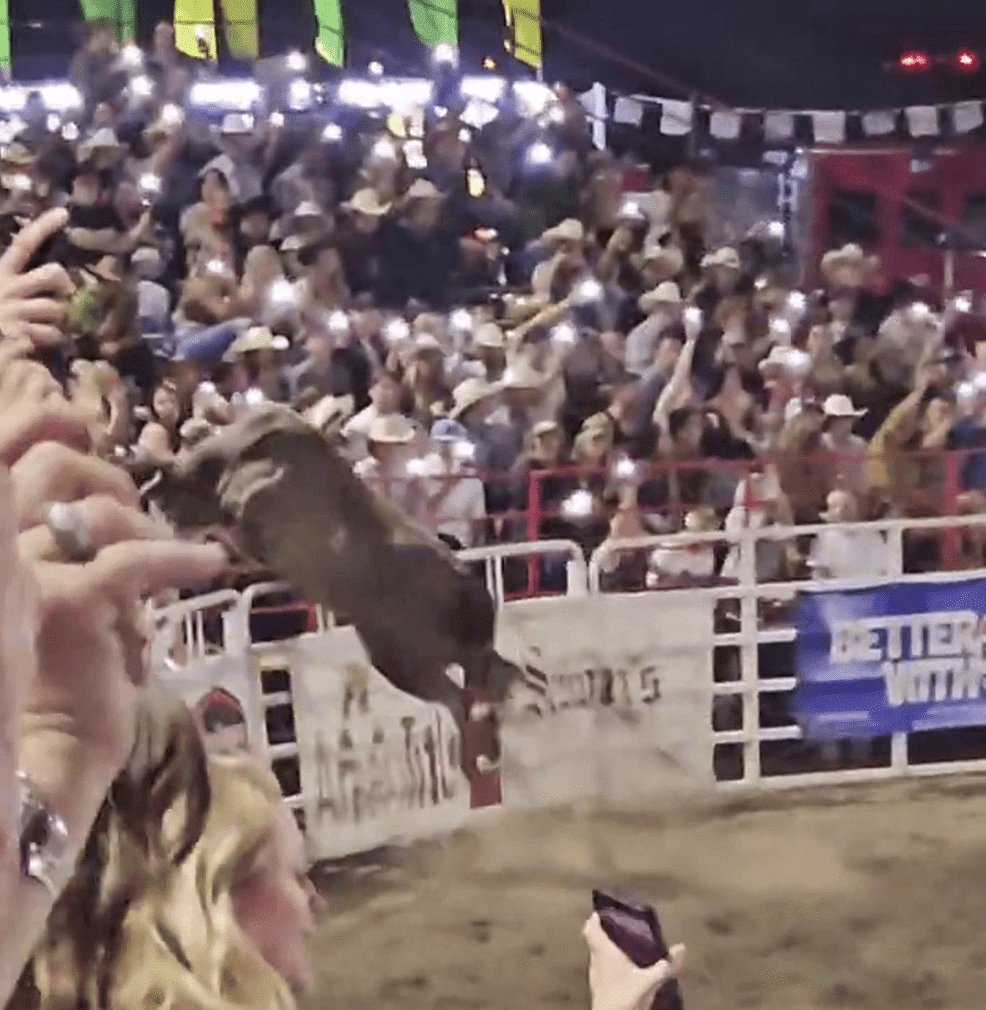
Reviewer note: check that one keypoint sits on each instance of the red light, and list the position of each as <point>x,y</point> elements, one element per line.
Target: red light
<point>967,60</point>
<point>915,61</point>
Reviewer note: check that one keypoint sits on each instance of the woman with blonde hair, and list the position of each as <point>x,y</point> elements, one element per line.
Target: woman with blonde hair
<point>228,926</point>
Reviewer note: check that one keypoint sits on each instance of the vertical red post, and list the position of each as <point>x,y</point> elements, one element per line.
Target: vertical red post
<point>951,541</point>
<point>533,530</point>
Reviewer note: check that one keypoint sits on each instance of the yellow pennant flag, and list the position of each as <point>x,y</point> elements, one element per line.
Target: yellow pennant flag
<point>195,28</point>
<point>241,28</point>
<point>524,21</point>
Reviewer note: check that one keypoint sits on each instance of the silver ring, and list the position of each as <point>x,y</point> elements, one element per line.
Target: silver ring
<point>68,526</point>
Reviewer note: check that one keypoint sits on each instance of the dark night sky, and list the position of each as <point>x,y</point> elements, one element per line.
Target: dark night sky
<point>794,54</point>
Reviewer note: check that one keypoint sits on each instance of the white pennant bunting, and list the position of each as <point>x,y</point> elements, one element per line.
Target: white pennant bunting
<point>967,116</point>
<point>922,120</point>
<point>778,125</point>
<point>830,127</point>
<point>629,111</point>
<point>676,117</point>
<point>724,125</point>
<point>879,123</point>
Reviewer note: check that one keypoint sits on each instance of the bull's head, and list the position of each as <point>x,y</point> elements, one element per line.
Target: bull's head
<point>205,490</point>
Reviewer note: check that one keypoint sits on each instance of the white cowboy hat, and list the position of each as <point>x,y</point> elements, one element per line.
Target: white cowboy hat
<point>102,140</point>
<point>469,393</point>
<point>669,256</point>
<point>426,342</point>
<point>543,428</point>
<point>568,231</point>
<point>391,429</point>
<point>330,410</point>
<point>850,255</point>
<point>236,124</point>
<point>839,405</point>
<point>257,338</point>
<point>306,210</point>
<point>666,293</point>
<point>727,256</point>
<point>366,201</point>
<point>522,375</point>
<point>423,190</point>
<point>490,335</point>
<point>789,359</point>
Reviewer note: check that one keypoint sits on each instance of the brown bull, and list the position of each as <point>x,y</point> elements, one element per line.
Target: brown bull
<point>293,505</point>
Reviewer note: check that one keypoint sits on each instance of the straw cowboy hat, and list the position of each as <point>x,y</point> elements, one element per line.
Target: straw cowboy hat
<point>447,430</point>
<point>469,393</point>
<point>670,258</point>
<point>330,412</point>
<point>391,429</point>
<point>366,201</point>
<point>839,405</point>
<point>850,255</point>
<point>257,338</point>
<point>786,359</point>
<point>17,155</point>
<point>490,335</point>
<point>522,307</point>
<point>701,520</point>
<point>568,231</point>
<point>727,257</point>
<point>666,293</point>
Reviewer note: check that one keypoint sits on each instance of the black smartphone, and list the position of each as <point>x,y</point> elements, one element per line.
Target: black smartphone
<point>636,930</point>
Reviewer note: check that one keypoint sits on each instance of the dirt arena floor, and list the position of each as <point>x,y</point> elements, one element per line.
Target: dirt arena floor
<point>863,897</point>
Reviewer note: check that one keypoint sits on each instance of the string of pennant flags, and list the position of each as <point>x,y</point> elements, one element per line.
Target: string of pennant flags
<point>679,118</point>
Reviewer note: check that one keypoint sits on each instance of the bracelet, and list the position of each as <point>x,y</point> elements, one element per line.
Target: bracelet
<point>44,847</point>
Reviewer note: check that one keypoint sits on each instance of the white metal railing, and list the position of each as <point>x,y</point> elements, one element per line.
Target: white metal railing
<point>494,555</point>
<point>751,635</point>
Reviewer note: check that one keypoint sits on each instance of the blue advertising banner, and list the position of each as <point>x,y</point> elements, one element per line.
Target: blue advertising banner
<point>898,658</point>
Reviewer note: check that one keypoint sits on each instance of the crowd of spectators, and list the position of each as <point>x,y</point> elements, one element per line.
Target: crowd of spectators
<point>502,337</point>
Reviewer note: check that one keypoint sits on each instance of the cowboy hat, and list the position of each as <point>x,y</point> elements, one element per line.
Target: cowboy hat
<point>423,190</point>
<point>666,293</point>
<point>104,271</point>
<point>701,520</point>
<point>522,376</point>
<point>257,338</point>
<point>668,256</point>
<point>839,405</point>
<point>568,231</point>
<point>447,430</point>
<point>17,154</point>
<point>330,411</point>
<point>102,140</point>
<point>788,359</point>
<point>236,124</point>
<point>727,257</point>
<point>306,210</point>
<point>543,428</point>
<point>490,335</point>
<point>850,255</point>
<point>469,393</point>
<point>426,343</point>
<point>366,201</point>
<point>391,429</point>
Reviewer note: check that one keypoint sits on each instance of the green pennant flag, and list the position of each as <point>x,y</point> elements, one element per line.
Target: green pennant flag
<point>435,21</point>
<point>5,35</point>
<point>121,12</point>
<point>330,44</point>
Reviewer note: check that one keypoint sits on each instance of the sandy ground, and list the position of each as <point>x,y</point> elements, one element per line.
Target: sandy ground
<point>868,897</point>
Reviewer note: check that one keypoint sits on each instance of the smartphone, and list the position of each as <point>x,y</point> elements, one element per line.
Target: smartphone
<point>636,930</point>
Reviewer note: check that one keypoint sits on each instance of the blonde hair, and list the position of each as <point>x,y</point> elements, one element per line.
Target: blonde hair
<point>180,946</point>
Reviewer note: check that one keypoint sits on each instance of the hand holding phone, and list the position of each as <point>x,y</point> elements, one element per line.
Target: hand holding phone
<point>630,965</point>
